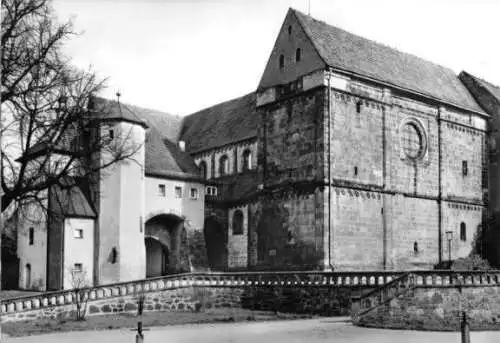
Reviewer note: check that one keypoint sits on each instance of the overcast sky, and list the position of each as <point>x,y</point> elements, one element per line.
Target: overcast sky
<point>181,56</point>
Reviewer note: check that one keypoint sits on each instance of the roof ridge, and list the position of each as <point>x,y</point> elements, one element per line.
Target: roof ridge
<point>221,103</point>
<point>481,79</point>
<point>384,45</point>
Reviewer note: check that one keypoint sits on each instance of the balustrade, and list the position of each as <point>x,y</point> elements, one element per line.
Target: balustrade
<point>387,284</point>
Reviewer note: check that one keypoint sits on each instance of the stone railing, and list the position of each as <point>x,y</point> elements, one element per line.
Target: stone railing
<point>171,282</point>
<point>381,295</point>
<point>421,279</point>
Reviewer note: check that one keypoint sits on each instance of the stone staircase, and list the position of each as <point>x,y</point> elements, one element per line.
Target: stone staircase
<point>367,302</point>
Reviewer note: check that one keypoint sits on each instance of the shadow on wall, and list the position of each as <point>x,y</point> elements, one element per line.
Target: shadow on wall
<point>278,245</point>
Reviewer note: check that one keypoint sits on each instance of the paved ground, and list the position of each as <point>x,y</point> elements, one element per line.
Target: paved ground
<point>297,331</point>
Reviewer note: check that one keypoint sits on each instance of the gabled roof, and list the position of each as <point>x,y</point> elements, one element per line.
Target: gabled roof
<point>351,53</point>
<point>70,202</point>
<point>491,88</point>
<point>225,123</point>
<point>164,158</point>
<point>168,124</point>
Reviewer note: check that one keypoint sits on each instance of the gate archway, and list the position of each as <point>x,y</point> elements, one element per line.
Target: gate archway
<point>163,244</point>
<point>216,243</point>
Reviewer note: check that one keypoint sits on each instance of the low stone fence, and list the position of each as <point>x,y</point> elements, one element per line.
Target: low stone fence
<point>317,292</point>
<point>433,300</point>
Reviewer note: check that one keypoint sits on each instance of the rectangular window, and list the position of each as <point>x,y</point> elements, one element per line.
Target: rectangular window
<point>78,233</point>
<point>111,134</point>
<point>211,190</point>
<point>464,168</point>
<point>178,191</point>
<point>162,191</point>
<point>194,193</point>
<point>31,236</point>
<point>78,267</point>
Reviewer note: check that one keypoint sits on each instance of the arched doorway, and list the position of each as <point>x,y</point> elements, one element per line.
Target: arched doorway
<point>156,258</point>
<point>163,245</point>
<point>216,241</point>
<point>27,276</point>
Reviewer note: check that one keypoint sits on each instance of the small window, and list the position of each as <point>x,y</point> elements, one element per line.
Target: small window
<point>415,248</point>
<point>282,61</point>
<point>358,107</point>
<point>194,193</point>
<point>203,170</point>
<point>298,53</point>
<point>78,233</point>
<point>223,165</point>
<point>31,236</point>
<point>465,169</point>
<point>77,267</point>
<point>238,223</point>
<point>356,171</point>
<point>463,232</point>
<point>162,191</point>
<point>289,29</point>
<point>211,190</point>
<point>178,191</point>
<point>114,255</point>
<point>247,160</point>
<point>111,134</point>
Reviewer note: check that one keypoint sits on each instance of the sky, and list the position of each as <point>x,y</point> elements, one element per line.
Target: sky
<point>182,56</point>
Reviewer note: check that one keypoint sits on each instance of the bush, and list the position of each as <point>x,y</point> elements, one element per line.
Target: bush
<point>473,262</point>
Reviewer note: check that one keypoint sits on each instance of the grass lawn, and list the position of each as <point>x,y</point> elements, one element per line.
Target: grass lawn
<point>149,319</point>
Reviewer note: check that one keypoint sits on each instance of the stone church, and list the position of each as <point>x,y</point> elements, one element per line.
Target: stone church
<point>350,155</point>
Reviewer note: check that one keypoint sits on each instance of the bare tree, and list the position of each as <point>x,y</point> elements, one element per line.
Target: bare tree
<point>79,282</point>
<point>51,121</point>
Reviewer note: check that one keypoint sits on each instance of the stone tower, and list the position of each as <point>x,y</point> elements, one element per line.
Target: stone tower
<point>120,234</point>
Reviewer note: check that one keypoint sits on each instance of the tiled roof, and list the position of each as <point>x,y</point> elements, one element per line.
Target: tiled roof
<point>70,202</point>
<point>348,52</point>
<point>114,110</point>
<point>164,158</point>
<point>493,89</point>
<point>168,124</point>
<point>228,122</point>
<point>237,187</point>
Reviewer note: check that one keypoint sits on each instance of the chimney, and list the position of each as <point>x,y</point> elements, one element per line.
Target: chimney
<point>182,146</point>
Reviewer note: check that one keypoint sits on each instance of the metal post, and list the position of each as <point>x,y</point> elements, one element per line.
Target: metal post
<point>139,338</point>
<point>449,251</point>
<point>465,329</point>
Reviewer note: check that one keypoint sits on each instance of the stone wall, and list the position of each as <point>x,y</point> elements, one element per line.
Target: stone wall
<point>303,299</point>
<point>286,231</point>
<point>438,309</point>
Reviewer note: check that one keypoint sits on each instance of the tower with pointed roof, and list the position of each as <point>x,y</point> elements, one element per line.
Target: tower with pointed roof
<point>121,198</point>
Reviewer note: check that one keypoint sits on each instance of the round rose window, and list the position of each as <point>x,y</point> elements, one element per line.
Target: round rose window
<point>413,143</point>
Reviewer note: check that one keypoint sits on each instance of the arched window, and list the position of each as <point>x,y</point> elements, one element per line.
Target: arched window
<point>298,53</point>
<point>31,236</point>
<point>282,61</point>
<point>463,232</point>
<point>203,169</point>
<point>247,160</point>
<point>237,222</point>
<point>223,165</point>
<point>415,248</point>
